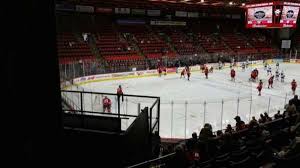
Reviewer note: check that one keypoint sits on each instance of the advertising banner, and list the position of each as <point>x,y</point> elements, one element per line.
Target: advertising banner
<point>169,23</point>
<point>153,12</point>
<point>122,10</point>
<point>193,14</point>
<point>81,8</point>
<point>180,13</point>
<point>138,11</point>
<point>65,7</point>
<point>103,10</point>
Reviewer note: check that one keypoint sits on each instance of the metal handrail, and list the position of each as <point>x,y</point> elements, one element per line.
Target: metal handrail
<point>153,160</point>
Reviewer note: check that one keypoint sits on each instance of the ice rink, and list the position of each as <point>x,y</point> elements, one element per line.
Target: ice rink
<point>187,105</point>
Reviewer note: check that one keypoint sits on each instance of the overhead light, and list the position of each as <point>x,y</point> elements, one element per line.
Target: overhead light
<point>230,3</point>
<point>243,4</point>
<point>202,1</point>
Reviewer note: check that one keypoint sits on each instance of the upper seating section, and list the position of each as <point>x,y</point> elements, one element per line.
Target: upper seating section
<point>69,48</point>
<point>183,43</point>
<point>238,43</point>
<point>151,44</point>
<point>112,46</point>
<point>260,41</point>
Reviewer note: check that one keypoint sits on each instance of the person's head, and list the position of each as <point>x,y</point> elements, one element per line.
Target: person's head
<point>278,112</point>
<point>219,133</point>
<point>266,114</point>
<point>194,135</point>
<point>237,118</point>
<point>290,102</point>
<point>293,80</point>
<point>229,126</point>
<point>253,118</point>
<point>296,97</point>
<point>119,86</point>
<point>105,97</point>
<point>262,116</point>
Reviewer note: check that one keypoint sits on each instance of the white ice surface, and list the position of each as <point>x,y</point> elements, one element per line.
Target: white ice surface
<point>189,112</point>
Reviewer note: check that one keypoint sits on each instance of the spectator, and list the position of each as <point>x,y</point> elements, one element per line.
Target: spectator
<point>191,143</point>
<point>219,133</point>
<point>106,104</point>
<point>296,102</point>
<point>240,125</point>
<point>229,129</point>
<point>278,115</point>
<point>267,117</point>
<point>290,150</point>
<point>262,119</point>
<point>206,132</point>
<point>85,37</point>
<point>253,122</point>
<point>156,143</point>
<point>290,109</point>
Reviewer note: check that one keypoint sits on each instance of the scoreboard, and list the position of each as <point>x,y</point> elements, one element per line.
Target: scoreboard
<point>272,15</point>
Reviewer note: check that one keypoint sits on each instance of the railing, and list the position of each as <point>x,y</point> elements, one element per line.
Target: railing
<point>88,102</point>
<point>158,162</point>
<point>182,118</point>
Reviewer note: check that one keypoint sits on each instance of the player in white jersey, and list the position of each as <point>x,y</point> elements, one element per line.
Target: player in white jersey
<point>277,74</point>
<point>269,70</point>
<point>277,65</point>
<point>243,66</point>
<point>282,76</point>
<point>247,63</point>
<point>265,65</point>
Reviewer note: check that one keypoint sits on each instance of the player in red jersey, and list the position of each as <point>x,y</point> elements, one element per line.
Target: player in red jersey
<point>259,87</point>
<point>106,104</point>
<point>232,74</point>
<point>202,67</point>
<point>188,72</point>
<point>271,79</point>
<point>206,72</point>
<point>182,74</point>
<point>120,93</point>
<point>165,71</point>
<point>294,86</point>
<point>159,71</point>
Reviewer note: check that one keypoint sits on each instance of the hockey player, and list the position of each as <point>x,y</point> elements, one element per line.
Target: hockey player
<point>294,86</point>
<point>259,87</point>
<point>165,71</point>
<point>277,65</point>
<point>270,81</point>
<point>247,63</point>
<point>277,74</point>
<point>159,71</point>
<point>106,104</point>
<point>206,72</point>
<point>182,74</point>
<point>120,93</point>
<point>188,72</point>
<point>211,69</point>
<point>220,64</point>
<point>243,66</point>
<point>202,67</point>
<point>232,74</point>
<point>282,76</point>
<point>265,65</point>
<point>269,70</point>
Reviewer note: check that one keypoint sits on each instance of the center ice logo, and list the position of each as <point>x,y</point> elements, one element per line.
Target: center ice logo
<point>259,14</point>
<point>290,14</point>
